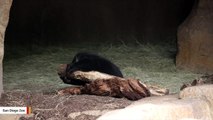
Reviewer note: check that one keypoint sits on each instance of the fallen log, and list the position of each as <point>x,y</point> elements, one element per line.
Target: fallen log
<point>107,85</point>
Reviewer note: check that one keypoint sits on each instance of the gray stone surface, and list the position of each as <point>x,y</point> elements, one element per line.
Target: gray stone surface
<point>195,104</point>
<point>9,117</point>
<point>14,117</point>
<point>4,18</point>
<point>202,91</point>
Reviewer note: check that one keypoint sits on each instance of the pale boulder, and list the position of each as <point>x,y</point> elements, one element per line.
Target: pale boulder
<point>164,108</point>
<point>201,91</point>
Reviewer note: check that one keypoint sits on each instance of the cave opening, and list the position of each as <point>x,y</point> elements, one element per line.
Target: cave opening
<point>48,22</point>
<point>44,33</point>
<point>140,37</point>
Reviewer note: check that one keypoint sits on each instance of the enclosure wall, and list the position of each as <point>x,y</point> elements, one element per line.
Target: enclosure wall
<point>4,18</point>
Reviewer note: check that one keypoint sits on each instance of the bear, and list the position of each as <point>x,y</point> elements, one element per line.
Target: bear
<point>84,61</point>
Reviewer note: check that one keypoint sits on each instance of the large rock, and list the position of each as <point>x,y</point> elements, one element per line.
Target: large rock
<point>195,39</point>
<point>193,103</point>
<point>198,91</point>
<point>15,116</point>
<point>202,91</point>
<point>9,117</point>
<point>4,18</point>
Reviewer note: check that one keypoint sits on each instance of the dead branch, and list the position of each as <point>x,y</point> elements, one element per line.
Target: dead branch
<point>107,85</point>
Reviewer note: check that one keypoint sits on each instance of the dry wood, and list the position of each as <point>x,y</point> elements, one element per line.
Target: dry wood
<point>108,85</point>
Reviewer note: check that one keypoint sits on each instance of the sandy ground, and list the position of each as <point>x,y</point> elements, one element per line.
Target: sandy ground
<point>67,107</point>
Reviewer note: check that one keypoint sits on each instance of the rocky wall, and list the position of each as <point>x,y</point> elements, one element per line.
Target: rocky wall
<point>4,18</point>
<point>195,39</point>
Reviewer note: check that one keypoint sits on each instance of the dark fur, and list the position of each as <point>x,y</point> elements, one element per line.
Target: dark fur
<point>90,62</point>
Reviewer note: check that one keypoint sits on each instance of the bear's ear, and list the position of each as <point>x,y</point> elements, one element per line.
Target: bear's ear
<point>76,59</point>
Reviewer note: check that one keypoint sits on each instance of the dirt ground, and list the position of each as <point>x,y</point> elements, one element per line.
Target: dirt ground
<point>56,107</point>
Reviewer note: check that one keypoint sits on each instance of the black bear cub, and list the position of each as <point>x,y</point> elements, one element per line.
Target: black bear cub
<point>90,62</point>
